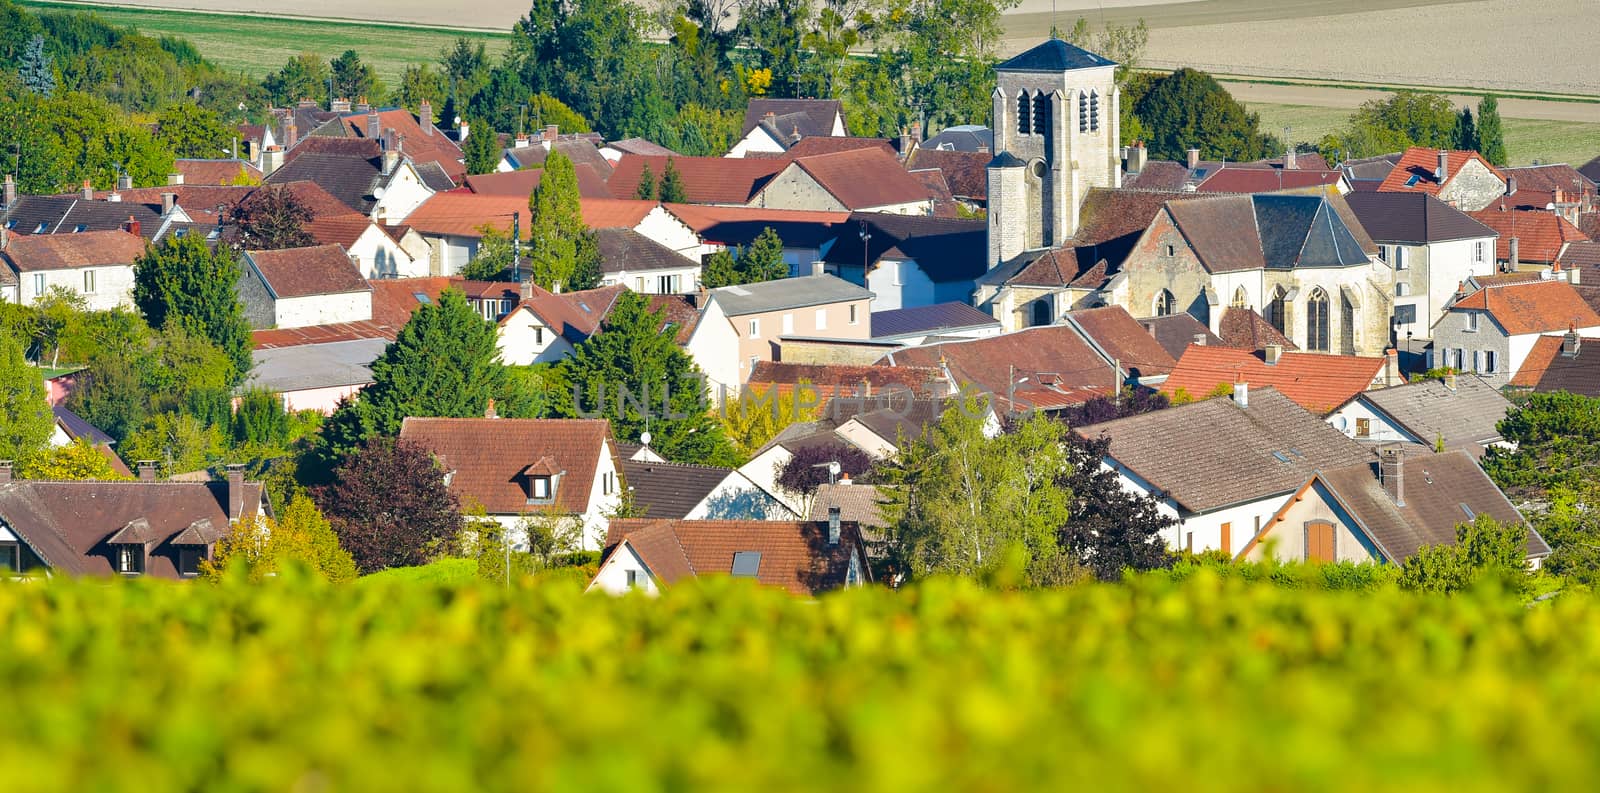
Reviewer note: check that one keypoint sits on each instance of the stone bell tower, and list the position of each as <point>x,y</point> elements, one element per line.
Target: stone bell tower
<point>1055,136</point>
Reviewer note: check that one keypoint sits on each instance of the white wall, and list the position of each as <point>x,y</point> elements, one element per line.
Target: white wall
<point>756,141</point>
<point>401,196</point>
<point>762,470</point>
<point>738,498</point>
<point>665,228</point>
<point>714,346</point>
<point>1382,429</point>
<point>601,503</point>
<point>379,256</point>
<point>613,575</point>
<point>113,285</point>
<point>1205,530</point>
<point>322,400</point>
<point>523,340</point>
<point>648,282</point>
<point>300,312</point>
<point>899,283</point>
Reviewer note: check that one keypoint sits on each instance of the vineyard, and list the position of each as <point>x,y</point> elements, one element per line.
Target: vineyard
<point>1194,684</point>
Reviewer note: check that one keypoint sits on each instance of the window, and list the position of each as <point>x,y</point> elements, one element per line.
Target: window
<point>1477,361</point>
<point>1478,252</point>
<point>1227,538</point>
<point>88,282</point>
<point>1024,114</point>
<point>1400,262</point>
<point>1319,541</point>
<point>538,336</point>
<point>130,559</point>
<point>1041,312</point>
<point>788,324</point>
<point>822,319</point>
<point>541,488</point>
<point>1276,314</point>
<point>633,578</point>
<point>10,558</point>
<point>608,483</point>
<point>667,284</point>
<point>189,559</point>
<point>1347,325</point>
<point>1165,303</point>
<point>1363,428</point>
<point>1317,321</point>
<point>853,314</point>
<point>1383,253</point>
<point>1172,250</point>
<point>638,284</point>
<point>755,328</point>
<point>1401,289</point>
<point>43,226</point>
<point>753,361</point>
<point>1083,112</point>
<point>1489,362</point>
<point>1041,113</point>
<point>38,284</point>
<point>1240,298</point>
<point>1472,322</point>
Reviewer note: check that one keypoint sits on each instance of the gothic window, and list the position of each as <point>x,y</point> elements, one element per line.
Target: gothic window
<point>1024,114</point>
<point>1041,312</point>
<point>1317,321</point>
<point>1083,112</point>
<point>1041,113</point>
<point>1094,111</point>
<point>1275,311</point>
<point>1240,299</point>
<point>1165,303</point>
<point>1347,326</point>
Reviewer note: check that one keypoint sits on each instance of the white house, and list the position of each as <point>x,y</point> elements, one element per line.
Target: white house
<point>1432,246</point>
<point>909,262</point>
<point>771,126</point>
<point>1491,331</point>
<point>518,468</point>
<point>376,252</point>
<point>633,260</point>
<point>1452,412</point>
<point>806,558</point>
<point>299,287</point>
<point>97,265</point>
<point>739,325</point>
<point>677,491</point>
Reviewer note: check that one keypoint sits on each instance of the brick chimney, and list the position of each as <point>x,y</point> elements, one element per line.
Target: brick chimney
<point>1271,353</point>
<point>132,226</point>
<point>1194,159</point>
<point>87,193</point>
<point>361,105</point>
<point>1444,166</point>
<point>10,194</point>
<point>1571,343</point>
<point>1391,473</point>
<point>174,178</point>
<point>235,492</point>
<point>291,133</point>
<point>340,105</point>
<point>372,124</point>
<point>425,117</point>
<point>147,470</point>
<point>1289,163</point>
<point>1511,185</point>
<point>169,202</point>
<point>833,527</point>
<point>124,181</point>
<point>551,132</point>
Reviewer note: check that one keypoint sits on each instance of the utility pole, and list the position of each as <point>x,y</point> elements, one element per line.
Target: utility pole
<point>516,247</point>
<point>1116,382</point>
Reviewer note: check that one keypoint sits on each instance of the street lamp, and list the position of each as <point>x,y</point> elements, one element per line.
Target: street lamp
<point>865,236</point>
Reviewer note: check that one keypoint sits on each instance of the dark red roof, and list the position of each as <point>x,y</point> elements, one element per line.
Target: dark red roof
<point>303,272</point>
<point>706,180</point>
<point>37,252</point>
<point>1119,335</point>
<point>863,178</point>
<point>487,458</point>
<point>1317,382</point>
<point>1540,235</point>
<point>794,555</point>
<point>967,172</point>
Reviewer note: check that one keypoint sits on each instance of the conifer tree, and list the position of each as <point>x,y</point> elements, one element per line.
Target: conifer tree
<point>37,69</point>
<point>560,245</point>
<point>1466,132</point>
<point>1491,132</point>
<point>671,190</point>
<point>647,184</point>
<point>481,149</point>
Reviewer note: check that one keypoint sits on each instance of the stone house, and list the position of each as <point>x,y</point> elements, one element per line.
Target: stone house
<point>96,265</point>
<point>1462,179</point>
<point>856,180</point>
<point>1492,331</point>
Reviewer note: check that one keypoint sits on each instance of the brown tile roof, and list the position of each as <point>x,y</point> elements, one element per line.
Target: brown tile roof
<point>1222,232</point>
<point>488,457</point>
<point>669,490</point>
<point>1507,279</point>
<point>738,225</point>
<point>574,315</point>
<point>581,149</point>
<point>1054,267</point>
<point>339,229</point>
<point>1423,165</point>
<point>640,146</point>
<point>1061,367</point>
<point>944,203</point>
<point>1175,332</point>
<point>421,144</point>
<point>1261,180</point>
<point>216,172</point>
<point>1245,329</point>
<point>1589,224</point>
<point>795,555</point>
<point>351,178</point>
<point>1413,218</point>
<point>827,144</point>
<point>334,146</point>
<point>1549,178</point>
<point>1316,382</point>
<point>1120,336</point>
<point>706,180</point>
<point>680,313</point>
<point>1266,449</point>
<point>813,116</point>
<point>1585,256</point>
<point>321,202</point>
<point>1548,368</point>
<point>460,214</point>
<point>302,272</point>
<point>1538,307</point>
<point>395,299</point>
<point>967,172</point>
<point>858,504</point>
<point>625,249</point>
<point>1158,175</point>
<point>1539,234</point>
<point>833,378</point>
<point>38,252</point>
<point>863,178</point>
<point>615,213</point>
<point>67,523</point>
<point>522,183</point>
<point>1463,416</point>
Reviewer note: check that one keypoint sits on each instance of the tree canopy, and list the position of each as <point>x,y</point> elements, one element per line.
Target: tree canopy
<point>183,282</point>
<point>761,260</point>
<point>560,245</point>
<point>271,218</point>
<point>26,421</point>
<point>191,131</point>
<point>1491,131</point>
<point>1190,109</point>
<point>389,506</point>
<point>481,149</point>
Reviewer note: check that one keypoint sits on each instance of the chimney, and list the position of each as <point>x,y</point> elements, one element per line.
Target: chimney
<point>174,178</point>
<point>551,132</point>
<point>1241,393</point>
<point>340,105</point>
<point>844,478</point>
<point>489,412</point>
<point>10,192</point>
<point>425,117</point>
<point>271,160</point>
<point>1571,342</point>
<point>1194,159</point>
<point>461,131</point>
<point>1572,276</point>
<point>147,470</point>
<point>1271,353</point>
<point>1289,159</point>
<point>1444,166</point>
<point>132,226</point>
<point>818,267</point>
<point>833,526</point>
<point>372,124</point>
<point>1511,185</point>
<point>1450,380</point>
<point>1513,255</point>
<point>5,471</point>
<point>905,142</point>
<point>391,160</point>
<point>1200,339</point>
<point>1391,473</point>
<point>916,132</point>
<point>1391,368</point>
<point>527,289</point>
<point>521,141</point>
<point>124,181</point>
<point>5,237</point>
<point>169,202</point>
<point>235,492</point>
<point>88,190</point>
<point>1136,157</point>
<point>361,105</point>
<point>291,133</point>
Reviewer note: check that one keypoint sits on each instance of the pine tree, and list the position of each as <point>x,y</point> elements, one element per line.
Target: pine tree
<point>1491,132</point>
<point>183,281</point>
<point>37,68</point>
<point>763,259</point>
<point>1466,131</point>
<point>671,190</point>
<point>25,418</point>
<point>721,270</point>
<point>481,149</point>
<point>647,185</point>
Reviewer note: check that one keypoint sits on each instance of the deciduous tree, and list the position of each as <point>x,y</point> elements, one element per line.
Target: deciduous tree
<point>389,506</point>
<point>26,421</point>
<point>1484,549</point>
<point>182,281</point>
<point>1108,529</point>
<point>1190,109</point>
<point>75,461</point>
<point>271,218</point>
<point>191,131</point>
<point>481,148</point>
<point>560,244</point>
<point>299,537</point>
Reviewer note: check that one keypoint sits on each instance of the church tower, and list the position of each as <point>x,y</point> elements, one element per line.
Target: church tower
<point>1055,136</point>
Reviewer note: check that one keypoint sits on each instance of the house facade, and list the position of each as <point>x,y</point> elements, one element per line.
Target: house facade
<point>806,558</point>
<point>1432,248</point>
<point>1462,179</point>
<point>1492,331</point>
<point>739,326</point>
<point>301,287</point>
<point>95,265</point>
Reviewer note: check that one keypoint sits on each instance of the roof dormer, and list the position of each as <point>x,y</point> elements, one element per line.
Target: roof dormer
<point>130,545</point>
<point>540,480</point>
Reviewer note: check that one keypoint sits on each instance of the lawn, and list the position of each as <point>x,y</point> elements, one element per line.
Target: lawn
<point>1527,140</point>
<point>258,45</point>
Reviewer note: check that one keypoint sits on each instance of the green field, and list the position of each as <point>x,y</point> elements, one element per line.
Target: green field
<point>1527,140</point>
<point>257,45</point>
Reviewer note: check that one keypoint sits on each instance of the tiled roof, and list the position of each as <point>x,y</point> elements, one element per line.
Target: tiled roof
<point>1548,368</point>
<point>863,178</point>
<point>1539,234</point>
<point>1418,170</point>
<point>813,116</point>
<point>77,428</point>
<point>1277,231</point>
<point>614,213</point>
<point>303,272</point>
<point>1053,267</point>
<point>521,183</point>
<point>626,249</point>
<point>1440,492</point>
<point>1158,175</point>
<point>216,172</point>
<point>307,366</point>
<point>1121,337</point>
<point>1247,330</point>
<point>945,249</point>
<point>339,229</point>
<point>795,555</point>
<point>1243,454</point>
<point>333,145</point>
<point>1175,332</point>
<point>640,146</point>
<point>394,300</point>
<point>1583,255</point>
<point>1463,417</point>
<point>961,137</point>
<point>574,315</point>
<point>1549,178</point>
<point>349,178</point>
<point>1368,173</point>
<point>67,523</point>
<point>580,149</point>
<point>421,144</point>
<point>1316,382</point>
<point>786,293</point>
<point>488,456</point>
<point>32,215</point>
<point>827,144</point>
<point>460,214</point>
<point>1414,218</point>
<point>936,318</point>
<point>967,172</point>
<point>39,252</point>
<point>669,490</point>
<point>944,202</point>
<point>898,418</point>
<point>1536,307</point>
<point>680,313</point>
<point>859,504</point>
<point>1054,55</point>
<point>1055,358</point>
<point>706,180</point>
<point>1262,180</point>
<point>830,377</point>
<point>728,225</point>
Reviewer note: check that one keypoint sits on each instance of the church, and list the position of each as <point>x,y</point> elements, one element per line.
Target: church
<point>1063,233</point>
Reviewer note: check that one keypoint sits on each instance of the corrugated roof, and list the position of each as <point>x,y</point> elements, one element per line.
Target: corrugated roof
<point>307,366</point>
<point>1315,381</point>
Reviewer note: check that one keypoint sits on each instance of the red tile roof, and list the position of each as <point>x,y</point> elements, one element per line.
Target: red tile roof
<point>339,229</point>
<point>863,178</point>
<point>1423,165</point>
<point>795,555</point>
<point>706,180</point>
<point>1119,335</point>
<point>834,377</point>
<point>420,144</point>
<point>36,252</point>
<point>827,144</point>
<point>1547,368</point>
<point>303,272</point>
<point>680,312</point>
<point>1319,383</point>
<point>1539,307</point>
<point>1245,329</point>
<point>461,214</point>
<point>521,183</point>
<point>1263,180</point>
<point>488,457</point>
<point>1539,234</point>
<point>1061,367</point>
<point>967,172</point>
<point>394,300</point>
<point>217,172</point>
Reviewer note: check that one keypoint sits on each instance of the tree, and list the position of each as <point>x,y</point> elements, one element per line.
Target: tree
<point>299,537</point>
<point>37,68</point>
<point>26,421</point>
<point>721,269</point>
<point>260,419</point>
<point>389,506</point>
<point>112,395</point>
<point>759,414</point>
<point>271,218</point>
<point>75,461</point>
<point>191,131</point>
<point>808,469</point>
<point>1190,109</point>
<point>481,148</point>
<point>1131,402</point>
<point>494,257</point>
<point>443,363</point>
<point>670,190</point>
<point>1554,444</point>
<point>1571,525</point>
<point>559,241</point>
<point>54,313</point>
<point>970,505</point>
<point>647,184</point>
<point>421,83</point>
<point>1466,131</point>
<point>1108,529</point>
<point>183,281</point>
<point>761,260</point>
<point>305,76</point>
<point>1491,131</point>
<point>180,442</point>
<point>633,372</point>
<point>353,79</point>
<point>549,110</point>
<point>1485,549</point>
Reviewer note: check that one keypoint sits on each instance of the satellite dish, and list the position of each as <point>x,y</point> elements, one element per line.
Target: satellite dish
<point>833,469</point>
<point>458,121</point>
<point>644,437</point>
<point>377,193</point>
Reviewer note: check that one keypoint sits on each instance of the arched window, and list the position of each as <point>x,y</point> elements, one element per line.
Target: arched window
<point>1041,312</point>
<point>1347,326</point>
<point>1024,114</point>
<point>1275,311</point>
<point>1165,303</point>
<point>1083,112</point>
<point>1094,111</point>
<point>1317,321</point>
<point>1041,113</point>
<point>1240,299</point>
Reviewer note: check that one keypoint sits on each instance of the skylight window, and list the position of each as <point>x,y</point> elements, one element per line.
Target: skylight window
<point>1412,182</point>
<point>746,564</point>
<point>422,298</point>
<point>1468,511</point>
<point>1282,458</point>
